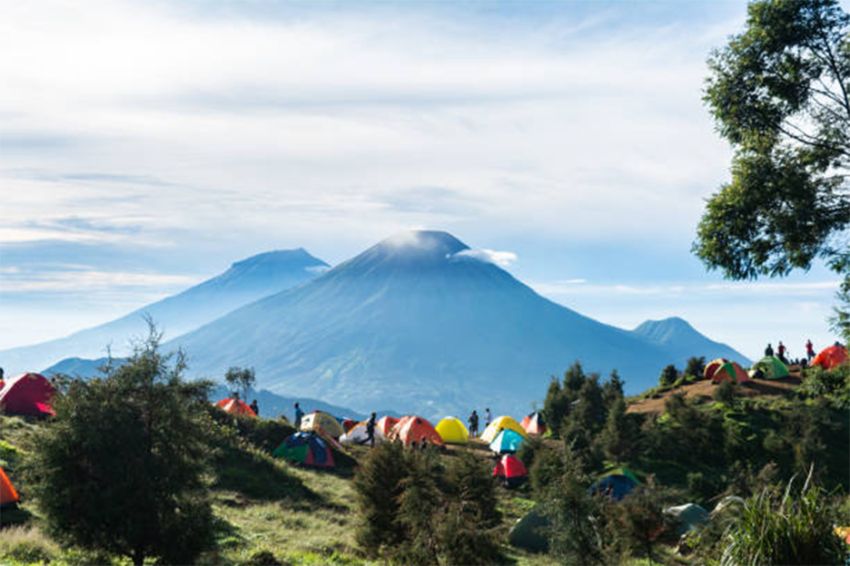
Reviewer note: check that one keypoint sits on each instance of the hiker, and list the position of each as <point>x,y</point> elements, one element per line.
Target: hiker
<point>255,407</point>
<point>370,431</point>
<point>299,414</point>
<point>780,351</point>
<point>810,351</point>
<point>473,424</point>
<point>488,417</point>
<point>768,351</point>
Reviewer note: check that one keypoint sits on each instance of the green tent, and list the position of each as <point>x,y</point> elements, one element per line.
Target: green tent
<point>771,367</point>
<point>530,532</point>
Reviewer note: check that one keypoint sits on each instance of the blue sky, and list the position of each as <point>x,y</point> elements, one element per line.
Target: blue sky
<point>145,146</point>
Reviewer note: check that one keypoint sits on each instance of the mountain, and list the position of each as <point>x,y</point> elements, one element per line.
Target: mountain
<point>418,322</point>
<point>245,282</point>
<point>681,341</point>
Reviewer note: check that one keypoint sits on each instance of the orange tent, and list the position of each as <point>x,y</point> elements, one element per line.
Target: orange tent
<point>8,495</point>
<point>534,424</point>
<point>730,371</point>
<point>712,367</point>
<point>412,429</point>
<point>831,357</point>
<point>385,425</point>
<point>236,407</point>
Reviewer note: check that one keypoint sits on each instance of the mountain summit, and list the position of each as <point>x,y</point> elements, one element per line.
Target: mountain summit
<point>682,340</point>
<point>244,282</point>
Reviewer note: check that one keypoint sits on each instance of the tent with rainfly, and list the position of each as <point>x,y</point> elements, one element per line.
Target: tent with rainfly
<point>29,394</point>
<point>320,421</point>
<point>712,367</point>
<point>500,423</point>
<point>236,407</point>
<point>534,424</point>
<point>385,424</point>
<point>770,367</point>
<point>616,484</point>
<point>306,448</point>
<point>510,470</point>
<point>831,357</point>
<point>506,442</point>
<point>413,428</point>
<point>730,371</point>
<point>530,532</point>
<point>452,431</point>
<point>8,494</point>
<point>358,434</point>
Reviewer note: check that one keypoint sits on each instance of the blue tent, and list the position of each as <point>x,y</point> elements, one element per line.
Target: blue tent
<point>616,486</point>
<point>307,448</point>
<point>506,442</point>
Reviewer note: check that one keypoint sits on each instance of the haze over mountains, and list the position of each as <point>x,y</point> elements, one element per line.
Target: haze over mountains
<point>245,282</point>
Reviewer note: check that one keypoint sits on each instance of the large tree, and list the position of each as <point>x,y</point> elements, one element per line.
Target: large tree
<point>779,94</point>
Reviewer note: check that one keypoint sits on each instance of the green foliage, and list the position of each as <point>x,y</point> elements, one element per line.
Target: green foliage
<point>792,527</point>
<point>240,380</point>
<point>121,468</point>
<point>779,93</point>
<point>695,366</point>
<point>548,465</point>
<point>26,545</point>
<point>640,521</point>
<point>417,508</point>
<point>725,392</point>
<point>668,376</point>
<point>831,384</point>
<point>612,390</point>
<point>378,488</point>
<point>619,439</point>
<point>556,405</point>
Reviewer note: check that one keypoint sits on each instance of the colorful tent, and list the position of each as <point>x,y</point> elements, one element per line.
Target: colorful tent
<point>770,367</point>
<point>357,434</point>
<point>831,357</point>
<point>712,367</point>
<point>506,442</point>
<point>533,424</point>
<point>497,425</point>
<point>348,424</point>
<point>320,421</point>
<point>452,431</point>
<point>416,429</point>
<point>8,495</point>
<point>385,424</point>
<point>27,394</point>
<point>510,470</point>
<point>236,407</point>
<point>730,371</point>
<point>307,448</point>
<point>615,486</point>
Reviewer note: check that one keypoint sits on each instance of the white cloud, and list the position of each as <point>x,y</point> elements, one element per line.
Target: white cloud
<point>500,258</point>
<point>82,281</point>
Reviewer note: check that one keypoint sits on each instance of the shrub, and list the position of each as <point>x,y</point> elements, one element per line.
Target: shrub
<point>695,367</point>
<point>725,393</point>
<point>668,376</point>
<point>547,467</point>
<point>378,488</point>
<point>27,545</point>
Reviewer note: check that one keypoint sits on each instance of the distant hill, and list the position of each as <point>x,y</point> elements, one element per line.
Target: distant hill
<point>245,282</point>
<point>681,340</point>
<point>420,323</point>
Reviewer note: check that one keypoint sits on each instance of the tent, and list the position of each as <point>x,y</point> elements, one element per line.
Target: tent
<point>831,357</point>
<point>8,494</point>
<point>452,431</point>
<point>712,367</point>
<point>730,371</point>
<point>416,429</point>
<point>688,517</point>
<point>529,532</point>
<point>357,434</point>
<point>385,424</point>
<point>307,448</point>
<point>27,394</point>
<point>533,424</point>
<point>236,407</point>
<point>616,486</point>
<point>320,421</point>
<point>506,442</point>
<point>497,425</point>
<point>510,470</point>
<point>770,367</point>
<point>348,424</point>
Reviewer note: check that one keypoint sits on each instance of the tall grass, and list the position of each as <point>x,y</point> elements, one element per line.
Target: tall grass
<point>26,545</point>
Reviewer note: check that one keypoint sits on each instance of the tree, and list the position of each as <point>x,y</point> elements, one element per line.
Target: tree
<point>556,405</point>
<point>620,436</point>
<point>122,467</point>
<point>240,380</point>
<point>695,366</point>
<point>641,520</point>
<point>779,94</point>
<point>725,392</point>
<point>377,486</point>
<point>668,376</point>
<point>612,390</point>
<point>417,505</point>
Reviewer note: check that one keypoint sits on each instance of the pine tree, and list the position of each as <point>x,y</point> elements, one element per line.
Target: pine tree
<point>668,376</point>
<point>378,487</point>
<point>418,504</point>
<point>555,407</point>
<point>612,390</point>
<point>620,435</point>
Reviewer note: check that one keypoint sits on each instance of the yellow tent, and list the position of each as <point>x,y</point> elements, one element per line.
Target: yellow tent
<point>501,423</point>
<point>452,431</point>
<point>320,421</point>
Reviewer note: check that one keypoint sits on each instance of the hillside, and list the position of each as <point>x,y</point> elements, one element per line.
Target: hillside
<point>244,282</point>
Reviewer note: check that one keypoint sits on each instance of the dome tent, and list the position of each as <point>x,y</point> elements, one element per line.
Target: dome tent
<point>385,424</point>
<point>500,423</point>
<point>510,470</point>
<point>358,435</point>
<point>534,424</point>
<point>831,357</point>
<point>770,367</point>
<point>452,431</point>
<point>28,394</point>
<point>414,429</point>
<point>8,494</point>
<point>306,448</point>
<point>320,421</point>
<point>730,371</point>
<point>712,367</point>
<point>236,407</point>
<point>530,531</point>
<point>507,441</point>
<point>615,485</point>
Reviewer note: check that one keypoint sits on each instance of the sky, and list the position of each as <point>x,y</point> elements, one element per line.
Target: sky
<point>145,146</point>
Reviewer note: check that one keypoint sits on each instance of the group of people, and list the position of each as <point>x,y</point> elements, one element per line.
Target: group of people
<point>782,353</point>
<point>473,421</point>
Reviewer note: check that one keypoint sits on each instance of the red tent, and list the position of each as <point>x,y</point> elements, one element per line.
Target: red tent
<point>348,424</point>
<point>831,357</point>
<point>712,367</point>
<point>236,407</point>
<point>412,429</point>
<point>8,495</point>
<point>533,424</point>
<point>730,371</point>
<point>511,470</point>
<point>27,394</point>
<point>385,425</point>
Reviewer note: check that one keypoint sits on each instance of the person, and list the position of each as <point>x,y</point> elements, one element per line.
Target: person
<point>768,351</point>
<point>370,431</point>
<point>473,424</point>
<point>780,350</point>
<point>299,414</point>
<point>255,407</point>
<point>489,417</point>
<point>810,350</point>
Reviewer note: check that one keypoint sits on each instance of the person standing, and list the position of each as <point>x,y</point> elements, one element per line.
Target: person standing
<point>299,414</point>
<point>370,430</point>
<point>473,424</point>
<point>488,417</point>
<point>810,351</point>
<point>780,351</point>
<point>768,352</point>
<point>255,407</point>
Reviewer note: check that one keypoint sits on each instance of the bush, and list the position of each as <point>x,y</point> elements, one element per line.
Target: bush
<point>378,488</point>
<point>668,376</point>
<point>725,393</point>
<point>547,467</point>
<point>695,367</point>
<point>27,545</point>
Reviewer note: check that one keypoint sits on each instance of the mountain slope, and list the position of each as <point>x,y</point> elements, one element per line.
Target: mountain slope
<point>681,341</point>
<point>417,323</point>
<point>245,282</point>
